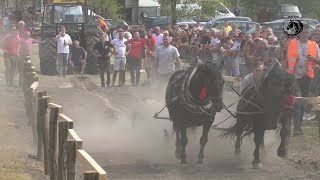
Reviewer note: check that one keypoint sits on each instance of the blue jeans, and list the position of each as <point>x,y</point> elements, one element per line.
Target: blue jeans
<point>302,89</point>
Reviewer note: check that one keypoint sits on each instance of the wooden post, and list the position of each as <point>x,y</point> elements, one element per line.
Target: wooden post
<point>63,133</point>
<point>91,175</point>
<point>54,111</point>
<point>43,106</point>
<point>318,117</point>
<point>39,126</point>
<point>71,149</point>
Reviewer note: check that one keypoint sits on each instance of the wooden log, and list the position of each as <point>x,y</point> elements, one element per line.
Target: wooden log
<point>72,135</point>
<point>34,85</point>
<point>63,117</point>
<point>318,118</point>
<point>50,105</point>
<point>54,111</point>
<point>88,161</point>
<point>39,126</point>
<point>91,175</point>
<point>43,107</point>
<point>63,132</point>
<point>71,149</point>
<point>33,116</point>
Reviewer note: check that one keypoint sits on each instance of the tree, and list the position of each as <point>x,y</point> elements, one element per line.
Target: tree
<point>207,8</point>
<point>107,9</point>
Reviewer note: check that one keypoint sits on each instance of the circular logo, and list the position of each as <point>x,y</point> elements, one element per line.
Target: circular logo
<point>292,27</point>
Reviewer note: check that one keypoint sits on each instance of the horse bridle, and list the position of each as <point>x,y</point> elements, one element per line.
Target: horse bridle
<point>202,108</point>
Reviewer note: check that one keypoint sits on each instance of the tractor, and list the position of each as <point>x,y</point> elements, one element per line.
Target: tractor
<point>80,25</point>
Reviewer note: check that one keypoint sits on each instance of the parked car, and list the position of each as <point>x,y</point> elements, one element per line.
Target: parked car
<point>222,10</point>
<point>284,11</point>
<point>214,22</point>
<point>243,26</point>
<point>161,21</point>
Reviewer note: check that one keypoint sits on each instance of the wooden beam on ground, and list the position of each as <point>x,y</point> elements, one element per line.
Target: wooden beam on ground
<point>52,105</point>
<point>72,135</point>
<point>86,159</point>
<point>63,117</point>
<point>307,100</point>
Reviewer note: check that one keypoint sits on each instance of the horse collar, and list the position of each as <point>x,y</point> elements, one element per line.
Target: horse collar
<point>192,74</point>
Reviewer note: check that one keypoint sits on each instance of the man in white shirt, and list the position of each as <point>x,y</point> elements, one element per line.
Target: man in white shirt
<point>63,41</point>
<point>158,35</point>
<point>120,58</point>
<point>166,57</point>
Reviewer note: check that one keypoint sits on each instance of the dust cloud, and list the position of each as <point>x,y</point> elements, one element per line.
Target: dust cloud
<point>124,125</point>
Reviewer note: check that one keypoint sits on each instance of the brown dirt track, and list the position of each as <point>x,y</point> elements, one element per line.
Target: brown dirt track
<point>119,132</point>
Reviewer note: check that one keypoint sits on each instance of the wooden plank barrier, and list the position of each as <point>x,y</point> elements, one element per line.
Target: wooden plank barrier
<point>58,145</point>
<point>236,81</point>
<point>314,102</point>
<point>39,126</point>
<point>53,123</point>
<point>91,175</point>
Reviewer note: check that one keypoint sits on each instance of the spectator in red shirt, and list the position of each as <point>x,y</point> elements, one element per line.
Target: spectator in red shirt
<point>151,43</point>
<point>11,46</point>
<point>135,57</point>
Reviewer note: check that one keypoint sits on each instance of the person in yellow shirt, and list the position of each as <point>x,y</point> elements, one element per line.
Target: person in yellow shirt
<point>226,27</point>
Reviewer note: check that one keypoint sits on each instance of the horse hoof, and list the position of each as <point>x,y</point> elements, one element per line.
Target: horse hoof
<point>282,152</point>
<point>257,165</point>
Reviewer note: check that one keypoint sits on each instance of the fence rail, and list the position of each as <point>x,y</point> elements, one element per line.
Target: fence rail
<point>58,145</point>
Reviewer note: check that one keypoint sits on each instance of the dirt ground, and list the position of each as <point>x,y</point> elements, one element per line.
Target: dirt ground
<point>15,137</point>
<point>118,130</point>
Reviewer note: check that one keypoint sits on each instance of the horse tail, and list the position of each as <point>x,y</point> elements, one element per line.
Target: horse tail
<point>242,128</point>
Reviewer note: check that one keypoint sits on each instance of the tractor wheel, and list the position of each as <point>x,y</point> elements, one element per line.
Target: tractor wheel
<point>92,65</point>
<point>48,54</point>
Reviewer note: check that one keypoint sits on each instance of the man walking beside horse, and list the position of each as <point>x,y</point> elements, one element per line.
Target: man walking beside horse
<point>166,58</point>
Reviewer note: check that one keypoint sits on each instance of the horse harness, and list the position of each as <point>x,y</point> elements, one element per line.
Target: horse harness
<point>181,84</point>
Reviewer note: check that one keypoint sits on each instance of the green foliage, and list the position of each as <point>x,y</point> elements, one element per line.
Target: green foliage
<point>107,8</point>
<point>208,8</point>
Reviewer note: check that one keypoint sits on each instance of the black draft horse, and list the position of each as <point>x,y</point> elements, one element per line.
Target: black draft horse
<point>193,97</point>
<point>262,106</point>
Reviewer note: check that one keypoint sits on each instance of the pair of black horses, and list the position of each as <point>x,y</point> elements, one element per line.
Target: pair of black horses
<point>194,96</point>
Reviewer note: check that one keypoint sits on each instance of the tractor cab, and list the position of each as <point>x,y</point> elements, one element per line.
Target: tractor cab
<point>80,24</point>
